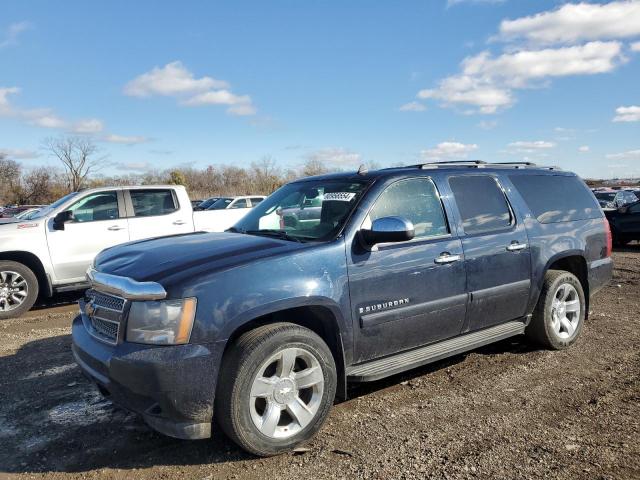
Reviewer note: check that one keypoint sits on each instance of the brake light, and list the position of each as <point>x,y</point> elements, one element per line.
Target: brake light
<point>607,229</point>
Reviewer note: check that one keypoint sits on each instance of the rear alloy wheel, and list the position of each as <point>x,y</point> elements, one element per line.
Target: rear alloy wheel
<point>276,387</point>
<point>18,289</point>
<point>559,315</point>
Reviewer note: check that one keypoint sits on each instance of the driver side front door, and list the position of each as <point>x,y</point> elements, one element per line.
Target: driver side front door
<point>408,294</point>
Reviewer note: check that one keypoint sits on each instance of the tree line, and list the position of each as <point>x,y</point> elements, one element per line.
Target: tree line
<point>80,162</point>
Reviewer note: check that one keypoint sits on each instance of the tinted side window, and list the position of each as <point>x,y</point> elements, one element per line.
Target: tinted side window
<point>557,198</point>
<point>95,207</point>
<point>416,200</point>
<point>148,203</point>
<point>242,203</point>
<point>481,202</point>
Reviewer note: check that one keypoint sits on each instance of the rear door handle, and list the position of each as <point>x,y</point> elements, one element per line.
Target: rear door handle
<point>115,228</point>
<point>447,258</point>
<point>514,247</point>
<point>179,222</point>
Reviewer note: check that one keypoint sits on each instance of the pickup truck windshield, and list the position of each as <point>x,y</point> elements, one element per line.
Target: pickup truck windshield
<point>304,211</point>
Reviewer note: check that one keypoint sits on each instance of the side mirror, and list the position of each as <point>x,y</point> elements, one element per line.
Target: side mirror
<point>388,230</point>
<point>61,218</point>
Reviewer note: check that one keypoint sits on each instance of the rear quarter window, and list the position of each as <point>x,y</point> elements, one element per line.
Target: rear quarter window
<point>556,198</point>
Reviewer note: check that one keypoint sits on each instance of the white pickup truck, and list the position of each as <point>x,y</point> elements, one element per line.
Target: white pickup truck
<point>51,252</point>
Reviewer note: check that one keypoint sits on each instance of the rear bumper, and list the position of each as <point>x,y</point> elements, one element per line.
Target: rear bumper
<point>600,273</point>
<point>171,387</point>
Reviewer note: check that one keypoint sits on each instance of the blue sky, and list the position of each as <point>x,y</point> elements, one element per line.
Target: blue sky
<point>161,84</point>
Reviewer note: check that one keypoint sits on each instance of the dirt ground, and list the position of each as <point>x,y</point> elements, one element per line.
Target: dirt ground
<point>505,411</point>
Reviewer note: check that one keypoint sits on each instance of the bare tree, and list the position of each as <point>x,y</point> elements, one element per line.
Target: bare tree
<point>312,167</point>
<point>77,155</point>
<point>10,172</point>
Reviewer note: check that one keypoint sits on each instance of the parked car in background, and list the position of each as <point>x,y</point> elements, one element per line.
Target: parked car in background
<point>261,327</point>
<point>226,211</point>
<point>13,211</point>
<point>612,199</point>
<point>195,203</point>
<point>625,223</point>
<point>25,215</point>
<point>52,250</point>
<point>203,205</point>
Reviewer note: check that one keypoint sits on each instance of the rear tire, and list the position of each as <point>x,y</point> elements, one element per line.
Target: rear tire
<point>276,387</point>
<point>559,315</point>
<point>18,289</point>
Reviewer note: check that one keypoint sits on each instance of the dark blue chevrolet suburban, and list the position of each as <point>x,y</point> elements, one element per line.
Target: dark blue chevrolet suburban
<point>260,328</point>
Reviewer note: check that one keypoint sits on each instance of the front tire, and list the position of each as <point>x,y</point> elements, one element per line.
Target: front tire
<point>276,387</point>
<point>559,315</point>
<point>18,289</point>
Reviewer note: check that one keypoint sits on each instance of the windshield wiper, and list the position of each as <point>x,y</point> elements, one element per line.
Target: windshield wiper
<point>275,233</point>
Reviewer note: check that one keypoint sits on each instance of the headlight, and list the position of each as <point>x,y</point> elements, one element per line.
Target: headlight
<point>166,322</point>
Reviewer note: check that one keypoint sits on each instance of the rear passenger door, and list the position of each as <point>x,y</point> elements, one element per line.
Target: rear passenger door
<point>156,212</point>
<point>407,294</point>
<point>496,251</point>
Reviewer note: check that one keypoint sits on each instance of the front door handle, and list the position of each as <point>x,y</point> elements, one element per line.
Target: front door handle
<point>179,222</point>
<point>447,258</point>
<point>115,228</point>
<point>514,247</point>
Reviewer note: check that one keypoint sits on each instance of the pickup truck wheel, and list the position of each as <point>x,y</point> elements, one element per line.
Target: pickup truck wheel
<point>558,318</point>
<point>18,289</point>
<point>276,388</point>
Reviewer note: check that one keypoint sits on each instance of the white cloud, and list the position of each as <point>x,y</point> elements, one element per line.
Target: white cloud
<point>575,22</point>
<point>171,80</point>
<point>125,140</point>
<point>19,153</point>
<point>5,104</point>
<point>628,155</point>
<point>488,124</point>
<point>635,47</point>
<point>89,125</point>
<point>486,82</point>
<point>584,149</point>
<point>532,146</point>
<point>453,3</point>
<point>412,107</point>
<point>133,166</point>
<point>44,119</point>
<point>12,33</point>
<point>175,80</point>
<point>448,150</point>
<point>627,114</point>
<point>336,157</point>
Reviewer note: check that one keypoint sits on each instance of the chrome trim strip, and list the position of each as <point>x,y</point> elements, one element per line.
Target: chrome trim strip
<point>125,287</point>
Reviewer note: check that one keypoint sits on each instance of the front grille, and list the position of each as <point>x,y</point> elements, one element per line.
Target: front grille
<point>104,314</point>
<point>106,301</point>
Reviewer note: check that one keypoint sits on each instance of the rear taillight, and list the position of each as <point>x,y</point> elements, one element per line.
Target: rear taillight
<point>607,229</point>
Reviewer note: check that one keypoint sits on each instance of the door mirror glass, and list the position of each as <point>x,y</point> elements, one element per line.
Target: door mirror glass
<point>61,218</point>
<point>388,230</point>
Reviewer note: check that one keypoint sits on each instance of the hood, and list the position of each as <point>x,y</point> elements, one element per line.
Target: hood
<point>181,256</point>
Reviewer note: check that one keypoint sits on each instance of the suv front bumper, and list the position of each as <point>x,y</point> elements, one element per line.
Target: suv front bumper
<point>171,387</point>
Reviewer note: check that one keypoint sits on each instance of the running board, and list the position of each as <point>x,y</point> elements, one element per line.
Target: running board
<point>384,367</point>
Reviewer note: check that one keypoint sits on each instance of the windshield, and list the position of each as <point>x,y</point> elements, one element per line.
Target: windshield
<point>609,196</point>
<point>28,214</point>
<point>220,204</point>
<point>47,210</point>
<point>314,210</point>
<point>207,203</point>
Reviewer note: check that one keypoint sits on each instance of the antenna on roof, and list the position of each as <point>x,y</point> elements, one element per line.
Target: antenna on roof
<point>363,170</point>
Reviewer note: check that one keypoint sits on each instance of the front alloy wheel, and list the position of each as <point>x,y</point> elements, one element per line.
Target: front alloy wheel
<point>275,389</point>
<point>286,393</point>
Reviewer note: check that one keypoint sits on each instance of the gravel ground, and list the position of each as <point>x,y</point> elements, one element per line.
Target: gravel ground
<point>505,411</point>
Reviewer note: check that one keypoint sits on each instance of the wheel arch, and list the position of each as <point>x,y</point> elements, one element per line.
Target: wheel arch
<point>31,261</point>
<point>574,262</point>
<point>319,317</point>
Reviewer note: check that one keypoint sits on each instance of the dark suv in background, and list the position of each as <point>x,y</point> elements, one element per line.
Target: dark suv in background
<point>260,328</point>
